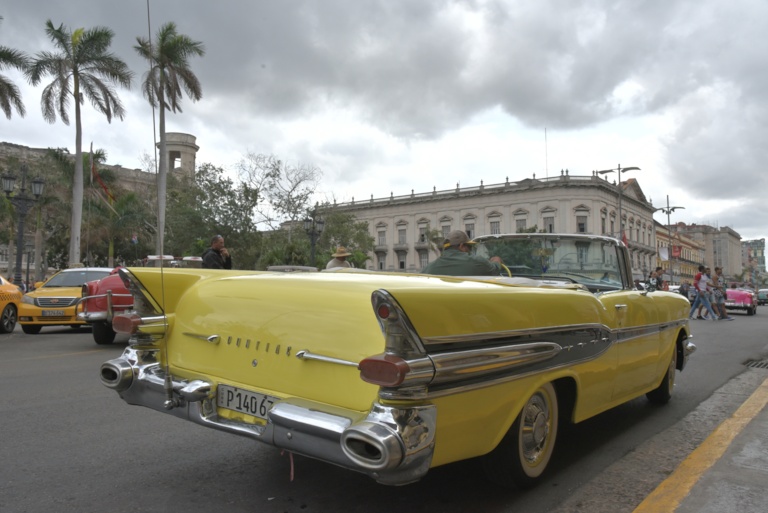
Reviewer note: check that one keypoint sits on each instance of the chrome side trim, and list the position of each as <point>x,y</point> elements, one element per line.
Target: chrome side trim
<point>454,366</point>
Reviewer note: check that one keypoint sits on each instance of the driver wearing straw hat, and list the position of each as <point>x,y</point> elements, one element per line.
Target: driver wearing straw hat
<point>457,261</point>
<point>339,258</point>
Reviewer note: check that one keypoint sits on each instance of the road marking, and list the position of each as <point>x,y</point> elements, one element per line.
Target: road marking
<point>670,493</point>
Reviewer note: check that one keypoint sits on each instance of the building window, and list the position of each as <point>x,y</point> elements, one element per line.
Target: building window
<point>401,236</point>
<point>382,238</point>
<point>581,224</point>
<point>602,226</point>
<point>613,227</point>
<point>549,224</point>
<point>422,234</point>
<point>495,227</point>
<point>423,258</point>
<point>401,260</point>
<point>381,263</point>
<point>469,228</point>
<point>446,230</point>
<point>520,225</point>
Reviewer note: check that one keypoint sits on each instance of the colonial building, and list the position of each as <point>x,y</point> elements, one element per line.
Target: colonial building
<point>560,204</point>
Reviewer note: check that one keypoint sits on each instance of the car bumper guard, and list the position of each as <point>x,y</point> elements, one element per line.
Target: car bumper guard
<point>392,445</point>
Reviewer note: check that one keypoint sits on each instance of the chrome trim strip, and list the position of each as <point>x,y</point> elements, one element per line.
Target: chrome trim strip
<point>213,339</point>
<point>304,354</point>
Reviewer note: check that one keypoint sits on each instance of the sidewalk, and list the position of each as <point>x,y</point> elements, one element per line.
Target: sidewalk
<point>727,473</point>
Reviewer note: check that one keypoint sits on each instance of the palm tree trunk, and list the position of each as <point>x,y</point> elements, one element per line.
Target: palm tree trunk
<point>77,184</point>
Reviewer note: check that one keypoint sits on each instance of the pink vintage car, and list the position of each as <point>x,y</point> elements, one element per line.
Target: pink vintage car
<point>741,299</point>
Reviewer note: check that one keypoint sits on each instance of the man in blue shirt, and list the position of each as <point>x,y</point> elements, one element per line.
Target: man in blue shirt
<point>457,261</point>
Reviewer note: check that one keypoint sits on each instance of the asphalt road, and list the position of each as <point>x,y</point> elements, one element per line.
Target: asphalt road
<point>68,444</point>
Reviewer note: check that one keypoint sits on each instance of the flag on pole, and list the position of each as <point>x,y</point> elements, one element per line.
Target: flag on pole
<point>624,238</point>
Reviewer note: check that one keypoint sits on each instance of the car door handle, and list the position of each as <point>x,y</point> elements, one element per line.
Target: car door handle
<point>620,306</point>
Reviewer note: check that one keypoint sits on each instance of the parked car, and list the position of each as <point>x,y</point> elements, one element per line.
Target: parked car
<point>391,374</point>
<point>53,303</point>
<point>10,297</point>
<point>741,299</point>
<point>102,299</point>
<point>762,296</point>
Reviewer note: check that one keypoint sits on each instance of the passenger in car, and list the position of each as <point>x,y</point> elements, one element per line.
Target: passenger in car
<point>456,259</point>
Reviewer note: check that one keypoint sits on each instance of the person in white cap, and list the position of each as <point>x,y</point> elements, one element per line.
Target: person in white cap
<point>456,260</point>
<point>339,258</point>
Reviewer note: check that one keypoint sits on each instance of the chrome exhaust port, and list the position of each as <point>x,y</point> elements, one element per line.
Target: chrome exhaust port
<point>117,374</point>
<point>372,446</point>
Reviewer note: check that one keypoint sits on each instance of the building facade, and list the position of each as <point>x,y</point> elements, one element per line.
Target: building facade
<point>722,246</point>
<point>561,204</point>
<point>678,254</point>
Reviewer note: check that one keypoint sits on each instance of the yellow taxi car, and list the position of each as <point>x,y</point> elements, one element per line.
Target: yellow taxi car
<point>54,303</point>
<point>10,297</point>
<point>392,374</point>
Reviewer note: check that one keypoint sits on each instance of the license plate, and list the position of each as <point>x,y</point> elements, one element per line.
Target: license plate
<point>729,303</point>
<point>53,313</point>
<point>245,401</point>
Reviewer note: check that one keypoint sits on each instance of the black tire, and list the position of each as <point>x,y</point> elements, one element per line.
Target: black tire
<point>752,311</point>
<point>8,319</point>
<point>31,329</point>
<point>103,333</point>
<point>522,456</point>
<point>663,393</point>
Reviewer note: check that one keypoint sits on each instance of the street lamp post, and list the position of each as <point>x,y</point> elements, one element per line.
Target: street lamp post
<point>313,225</point>
<point>23,204</point>
<point>619,170</point>
<point>668,210</point>
<point>29,247</point>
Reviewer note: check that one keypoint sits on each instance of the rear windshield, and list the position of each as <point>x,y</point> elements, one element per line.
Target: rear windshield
<point>75,278</point>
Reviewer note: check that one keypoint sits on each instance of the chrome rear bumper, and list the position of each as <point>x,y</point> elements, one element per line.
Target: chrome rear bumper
<point>392,445</point>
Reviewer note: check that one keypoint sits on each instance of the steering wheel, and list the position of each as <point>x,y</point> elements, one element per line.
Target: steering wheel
<point>509,273</point>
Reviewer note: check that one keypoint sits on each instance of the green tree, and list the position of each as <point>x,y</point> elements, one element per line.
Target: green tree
<point>82,68</point>
<point>10,97</point>
<point>213,204</point>
<point>169,73</point>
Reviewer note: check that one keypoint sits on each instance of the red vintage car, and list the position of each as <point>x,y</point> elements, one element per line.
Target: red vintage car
<point>741,299</point>
<point>103,299</point>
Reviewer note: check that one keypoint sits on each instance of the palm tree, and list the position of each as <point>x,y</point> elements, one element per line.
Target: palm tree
<point>169,72</point>
<point>83,67</point>
<point>9,93</point>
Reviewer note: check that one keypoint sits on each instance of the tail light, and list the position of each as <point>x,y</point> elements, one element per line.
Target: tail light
<point>385,370</point>
<point>126,323</point>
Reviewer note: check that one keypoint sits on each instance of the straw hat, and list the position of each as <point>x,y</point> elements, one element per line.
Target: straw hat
<point>341,251</point>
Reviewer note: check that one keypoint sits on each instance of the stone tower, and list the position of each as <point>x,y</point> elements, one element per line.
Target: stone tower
<point>181,152</point>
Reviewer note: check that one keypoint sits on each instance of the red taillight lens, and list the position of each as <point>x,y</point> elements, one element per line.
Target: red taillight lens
<point>126,323</point>
<point>384,370</point>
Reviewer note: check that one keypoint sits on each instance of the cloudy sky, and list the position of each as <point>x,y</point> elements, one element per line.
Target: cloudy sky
<point>386,96</point>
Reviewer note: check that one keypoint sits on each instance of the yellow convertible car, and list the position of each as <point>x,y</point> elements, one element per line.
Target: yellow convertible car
<point>393,374</point>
